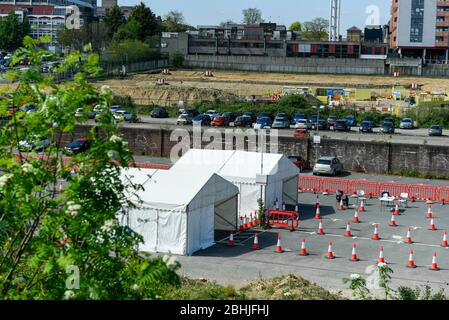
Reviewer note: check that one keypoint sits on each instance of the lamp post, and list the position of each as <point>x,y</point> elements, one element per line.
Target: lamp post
<point>317,130</point>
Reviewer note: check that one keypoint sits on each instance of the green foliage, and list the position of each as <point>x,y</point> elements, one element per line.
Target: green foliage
<point>94,33</point>
<point>130,51</point>
<point>428,114</point>
<point>12,31</point>
<point>113,19</point>
<point>261,213</point>
<point>174,22</point>
<point>317,29</point>
<point>177,59</point>
<point>45,231</point>
<point>252,16</point>
<point>202,290</point>
<point>145,18</point>
<point>358,285</point>
<point>296,26</point>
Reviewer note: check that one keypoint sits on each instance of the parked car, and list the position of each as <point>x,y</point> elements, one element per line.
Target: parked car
<point>184,118</point>
<point>252,115</point>
<point>387,128</point>
<point>406,123</point>
<point>159,113</point>
<point>124,115</point>
<point>266,115</point>
<point>213,113</point>
<point>193,112</point>
<point>352,121</point>
<point>299,116</point>
<point>78,146</point>
<point>202,120</point>
<point>341,125</point>
<point>300,133</point>
<point>263,122</point>
<point>436,131</point>
<point>28,108</point>
<point>371,121</point>
<point>231,116</point>
<point>389,119</point>
<point>328,165</point>
<point>243,121</point>
<point>300,162</point>
<point>220,121</point>
<point>303,124</point>
<point>79,113</point>
<point>34,143</point>
<point>366,126</point>
<point>331,120</point>
<point>322,125</point>
<point>114,108</point>
<point>98,108</point>
<point>281,122</point>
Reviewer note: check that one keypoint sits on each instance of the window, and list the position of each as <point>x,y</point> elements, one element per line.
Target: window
<point>417,21</point>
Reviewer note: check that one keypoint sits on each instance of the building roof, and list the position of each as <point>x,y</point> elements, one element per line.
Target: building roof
<point>354,28</point>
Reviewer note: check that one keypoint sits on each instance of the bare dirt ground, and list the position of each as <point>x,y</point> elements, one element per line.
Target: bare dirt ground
<point>192,85</point>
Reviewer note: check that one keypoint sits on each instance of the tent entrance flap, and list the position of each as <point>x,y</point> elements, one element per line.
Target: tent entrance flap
<point>290,191</point>
<point>226,214</point>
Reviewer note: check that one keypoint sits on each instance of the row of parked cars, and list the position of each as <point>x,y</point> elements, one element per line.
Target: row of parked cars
<point>98,112</point>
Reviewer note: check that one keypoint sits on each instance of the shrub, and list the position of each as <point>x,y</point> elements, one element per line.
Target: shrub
<point>177,59</point>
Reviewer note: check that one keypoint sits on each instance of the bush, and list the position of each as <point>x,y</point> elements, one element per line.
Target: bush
<point>130,51</point>
<point>177,59</point>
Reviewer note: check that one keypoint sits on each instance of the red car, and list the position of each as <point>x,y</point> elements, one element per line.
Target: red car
<point>301,133</point>
<point>301,163</point>
<point>220,121</point>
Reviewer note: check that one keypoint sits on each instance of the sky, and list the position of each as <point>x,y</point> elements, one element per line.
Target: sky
<point>212,12</point>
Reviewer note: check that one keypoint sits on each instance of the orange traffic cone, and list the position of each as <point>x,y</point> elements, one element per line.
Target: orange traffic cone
<point>348,230</point>
<point>411,262</point>
<point>318,214</point>
<point>396,210</point>
<point>409,237</point>
<point>444,243</point>
<point>279,245</point>
<point>362,205</point>
<point>354,253</point>
<point>330,254</point>
<point>245,222</point>
<point>434,265</point>
<point>376,233</point>
<point>381,256</point>
<point>241,228</point>
<point>256,245</point>
<point>429,214</point>
<point>320,228</point>
<point>393,221</point>
<point>231,240</point>
<point>341,207</point>
<point>432,225</point>
<point>317,204</point>
<point>356,216</point>
<point>303,251</point>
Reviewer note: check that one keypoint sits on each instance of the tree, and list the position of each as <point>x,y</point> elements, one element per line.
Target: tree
<point>94,33</point>
<point>252,16</point>
<point>174,22</point>
<point>227,23</point>
<point>113,19</point>
<point>65,241</point>
<point>149,25</point>
<point>12,31</point>
<point>177,59</point>
<point>296,26</point>
<point>317,29</point>
<point>128,31</point>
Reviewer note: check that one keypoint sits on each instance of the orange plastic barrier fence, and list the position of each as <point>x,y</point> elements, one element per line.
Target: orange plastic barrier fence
<point>283,219</point>
<point>416,192</point>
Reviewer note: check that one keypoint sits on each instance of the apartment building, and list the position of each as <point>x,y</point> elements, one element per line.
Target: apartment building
<point>48,16</point>
<point>420,28</point>
<point>265,39</point>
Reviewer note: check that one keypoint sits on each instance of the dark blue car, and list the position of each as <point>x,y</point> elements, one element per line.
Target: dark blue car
<point>299,116</point>
<point>351,120</point>
<point>202,120</point>
<point>263,122</point>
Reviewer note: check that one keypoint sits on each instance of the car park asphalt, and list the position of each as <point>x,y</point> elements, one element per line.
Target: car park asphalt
<point>240,265</point>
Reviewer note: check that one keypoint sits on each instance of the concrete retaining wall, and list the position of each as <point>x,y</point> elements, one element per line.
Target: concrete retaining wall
<point>369,157</point>
<point>282,64</point>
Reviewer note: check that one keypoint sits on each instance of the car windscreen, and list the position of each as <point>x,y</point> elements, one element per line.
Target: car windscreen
<point>341,123</point>
<point>435,127</point>
<point>323,161</point>
<point>77,144</point>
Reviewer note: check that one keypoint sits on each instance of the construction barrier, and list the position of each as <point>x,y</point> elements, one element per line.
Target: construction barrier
<point>283,219</point>
<point>372,189</point>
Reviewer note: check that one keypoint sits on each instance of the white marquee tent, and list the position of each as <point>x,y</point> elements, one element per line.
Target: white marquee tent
<point>245,169</point>
<point>178,211</point>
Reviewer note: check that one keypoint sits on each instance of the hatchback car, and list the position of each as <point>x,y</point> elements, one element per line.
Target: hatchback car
<point>213,113</point>
<point>78,146</point>
<point>243,121</point>
<point>266,115</point>
<point>281,123</point>
<point>331,120</point>
<point>202,120</point>
<point>184,119</point>
<point>303,124</point>
<point>328,165</point>
<point>220,121</point>
<point>387,128</point>
<point>406,123</point>
<point>341,125</point>
<point>366,126</point>
<point>263,122</point>
<point>351,120</point>
<point>35,143</point>
<point>124,115</point>
<point>251,115</point>
<point>159,113</point>
<point>231,116</point>
<point>299,116</point>
<point>435,131</point>
<point>300,162</point>
<point>322,125</point>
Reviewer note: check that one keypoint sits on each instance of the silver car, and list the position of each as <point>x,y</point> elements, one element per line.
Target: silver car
<point>184,118</point>
<point>406,123</point>
<point>328,165</point>
<point>303,124</point>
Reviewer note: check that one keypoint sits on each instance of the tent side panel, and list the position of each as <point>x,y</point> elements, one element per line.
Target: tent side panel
<point>226,215</point>
<point>249,194</point>
<point>144,222</point>
<point>290,191</point>
<point>172,233</point>
<point>200,229</point>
